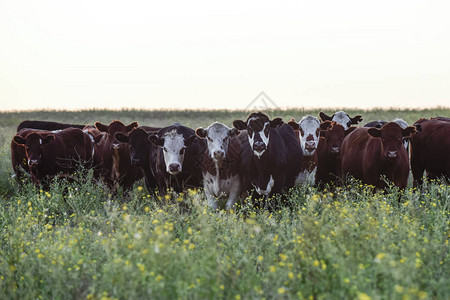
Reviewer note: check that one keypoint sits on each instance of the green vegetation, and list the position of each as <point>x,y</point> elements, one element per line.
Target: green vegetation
<point>75,241</point>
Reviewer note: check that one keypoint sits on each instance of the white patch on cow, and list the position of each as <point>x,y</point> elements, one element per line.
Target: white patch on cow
<point>306,177</point>
<point>268,189</point>
<point>265,139</point>
<point>56,131</point>
<point>342,118</point>
<point>402,123</point>
<point>173,150</point>
<point>40,141</point>
<point>91,137</point>
<point>221,192</point>
<point>310,126</point>
<point>217,138</point>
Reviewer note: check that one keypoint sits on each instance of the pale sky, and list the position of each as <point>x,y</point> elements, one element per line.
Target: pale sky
<point>84,54</point>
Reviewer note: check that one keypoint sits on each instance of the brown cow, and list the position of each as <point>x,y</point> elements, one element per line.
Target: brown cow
<point>49,153</point>
<point>116,167</point>
<point>329,152</point>
<point>430,149</point>
<point>370,153</point>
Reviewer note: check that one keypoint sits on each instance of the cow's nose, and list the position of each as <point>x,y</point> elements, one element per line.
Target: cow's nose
<point>259,146</point>
<point>135,161</point>
<point>174,168</point>
<point>33,162</point>
<point>310,145</point>
<point>334,149</point>
<point>219,154</point>
<point>392,154</point>
<point>115,146</point>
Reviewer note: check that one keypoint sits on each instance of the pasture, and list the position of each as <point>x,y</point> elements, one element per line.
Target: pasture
<point>76,241</point>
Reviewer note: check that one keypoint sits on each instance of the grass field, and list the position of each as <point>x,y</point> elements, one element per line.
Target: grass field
<point>75,241</point>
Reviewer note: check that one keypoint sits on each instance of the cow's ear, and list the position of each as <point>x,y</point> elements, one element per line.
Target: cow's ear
<point>418,127</point>
<point>325,125</point>
<point>190,140</point>
<point>233,132</point>
<point>374,132</point>
<point>19,140</point>
<point>131,126</point>
<point>98,138</point>
<point>154,138</point>
<point>293,124</point>
<point>239,124</point>
<point>276,122</point>
<point>408,131</point>
<point>101,127</point>
<point>121,137</point>
<point>350,129</point>
<point>201,133</point>
<point>48,139</point>
<point>323,117</point>
<point>356,120</point>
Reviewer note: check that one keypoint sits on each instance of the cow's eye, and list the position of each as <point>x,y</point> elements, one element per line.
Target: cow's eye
<point>165,149</point>
<point>210,139</point>
<point>266,131</point>
<point>182,151</point>
<point>249,131</point>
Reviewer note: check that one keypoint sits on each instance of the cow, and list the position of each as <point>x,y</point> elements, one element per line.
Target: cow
<point>178,157</point>
<point>116,168</point>
<point>401,122</point>
<point>369,154</point>
<point>221,166</point>
<point>142,151</point>
<point>50,153</point>
<point>329,153</point>
<point>46,125</point>
<point>273,156</point>
<point>342,118</point>
<point>430,149</point>
<point>307,131</point>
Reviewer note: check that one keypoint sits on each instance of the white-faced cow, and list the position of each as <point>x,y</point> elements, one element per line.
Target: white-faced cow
<point>308,134</point>
<point>370,153</point>
<point>221,166</point>
<point>341,117</point>
<point>276,156</point>
<point>178,158</point>
<point>51,153</point>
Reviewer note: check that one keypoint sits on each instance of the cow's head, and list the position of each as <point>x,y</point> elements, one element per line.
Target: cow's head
<point>112,128</point>
<point>174,147</point>
<point>217,136</point>
<point>258,128</point>
<point>34,144</point>
<point>138,144</point>
<point>334,134</point>
<point>391,135</point>
<point>342,118</point>
<point>309,133</point>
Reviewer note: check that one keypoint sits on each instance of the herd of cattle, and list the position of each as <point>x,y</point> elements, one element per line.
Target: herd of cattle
<point>257,156</point>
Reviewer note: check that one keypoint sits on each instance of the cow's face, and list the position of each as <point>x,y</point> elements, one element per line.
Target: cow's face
<point>33,144</point>
<point>391,136</point>
<point>138,145</point>
<point>217,136</point>
<point>174,147</point>
<point>258,128</point>
<point>342,118</point>
<point>334,136</point>
<point>309,133</point>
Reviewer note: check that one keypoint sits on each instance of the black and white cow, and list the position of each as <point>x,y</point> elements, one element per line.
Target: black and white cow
<point>276,156</point>
<point>341,117</point>
<point>308,134</point>
<point>177,162</point>
<point>221,166</point>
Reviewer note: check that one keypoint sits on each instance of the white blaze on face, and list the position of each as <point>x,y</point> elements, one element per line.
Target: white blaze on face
<point>173,150</point>
<point>309,128</point>
<point>259,139</point>
<point>342,118</point>
<point>217,140</point>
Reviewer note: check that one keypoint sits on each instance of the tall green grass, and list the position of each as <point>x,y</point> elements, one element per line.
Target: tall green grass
<point>76,241</point>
